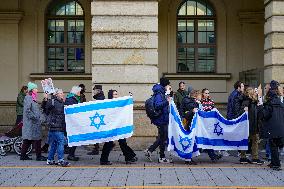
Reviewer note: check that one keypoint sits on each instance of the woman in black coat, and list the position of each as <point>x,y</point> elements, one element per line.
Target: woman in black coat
<point>273,116</point>
<point>250,100</point>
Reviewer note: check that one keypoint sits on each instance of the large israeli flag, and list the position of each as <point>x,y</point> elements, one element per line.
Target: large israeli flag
<point>216,132</point>
<point>209,130</point>
<point>181,143</point>
<point>99,121</point>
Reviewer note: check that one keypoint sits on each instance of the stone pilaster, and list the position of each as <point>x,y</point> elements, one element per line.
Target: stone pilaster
<point>125,46</point>
<point>274,41</point>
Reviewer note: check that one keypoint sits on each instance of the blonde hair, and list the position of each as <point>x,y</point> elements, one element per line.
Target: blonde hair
<point>249,92</point>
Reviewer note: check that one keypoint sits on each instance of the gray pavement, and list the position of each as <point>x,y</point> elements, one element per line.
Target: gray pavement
<point>87,172</point>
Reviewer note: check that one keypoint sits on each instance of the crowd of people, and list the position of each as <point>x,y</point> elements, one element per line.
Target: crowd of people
<point>265,113</point>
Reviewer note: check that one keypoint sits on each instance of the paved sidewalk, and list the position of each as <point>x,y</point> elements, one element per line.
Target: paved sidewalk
<point>227,173</point>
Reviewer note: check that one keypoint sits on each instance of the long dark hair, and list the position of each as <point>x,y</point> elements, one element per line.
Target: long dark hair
<point>24,88</point>
<point>110,93</point>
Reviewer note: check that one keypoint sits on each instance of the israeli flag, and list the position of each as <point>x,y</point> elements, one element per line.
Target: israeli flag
<point>99,121</point>
<point>181,143</point>
<point>217,133</point>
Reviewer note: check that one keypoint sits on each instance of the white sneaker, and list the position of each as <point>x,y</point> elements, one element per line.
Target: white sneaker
<point>165,160</point>
<point>225,153</point>
<point>148,155</point>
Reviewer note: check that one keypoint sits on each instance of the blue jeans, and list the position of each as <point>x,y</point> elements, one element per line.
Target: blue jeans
<point>56,141</point>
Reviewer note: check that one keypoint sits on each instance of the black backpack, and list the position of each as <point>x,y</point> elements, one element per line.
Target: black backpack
<point>151,112</point>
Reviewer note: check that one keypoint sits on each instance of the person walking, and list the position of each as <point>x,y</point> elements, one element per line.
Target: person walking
<point>129,154</point>
<point>273,115</point>
<point>73,98</point>
<point>57,128</point>
<point>161,104</point>
<point>98,95</point>
<point>32,130</point>
<point>254,105</point>
<point>208,105</point>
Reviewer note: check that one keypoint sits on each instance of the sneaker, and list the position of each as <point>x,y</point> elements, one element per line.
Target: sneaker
<point>190,162</point>
<point>164,160</point>
<point>50,162</point>
<point>276,168</point>
<point>257,161</point>
<point>25,158</point>
<point>72,158</point>
<point>106,163</point>
<point>244,161</point>
<point>148,155</point>
<point>64,163</point>
<point>131,161</point>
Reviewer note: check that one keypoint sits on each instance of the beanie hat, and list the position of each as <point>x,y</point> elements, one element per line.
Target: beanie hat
<point>190,88</point>
<point>274,85</point>
<point>110,94</point>
<point>164,81</point>
<point>31,86</point>
<point>98,87</point>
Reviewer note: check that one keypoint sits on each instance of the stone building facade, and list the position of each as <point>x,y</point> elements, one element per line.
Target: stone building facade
<point>128,44</point>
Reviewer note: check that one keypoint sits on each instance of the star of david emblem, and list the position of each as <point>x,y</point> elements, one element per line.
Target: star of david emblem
<point>97,120</point>
<point>218,129</point>
<point>185,142</point>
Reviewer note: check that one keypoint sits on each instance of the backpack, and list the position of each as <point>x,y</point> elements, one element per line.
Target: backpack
<point>150,108</point>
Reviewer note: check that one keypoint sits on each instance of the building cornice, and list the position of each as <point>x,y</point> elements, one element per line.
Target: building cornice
<point>11,17</point>
<point>251,17</point>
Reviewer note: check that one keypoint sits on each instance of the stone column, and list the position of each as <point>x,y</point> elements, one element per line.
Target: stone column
<point>125,46</point>
<point>274,41</point>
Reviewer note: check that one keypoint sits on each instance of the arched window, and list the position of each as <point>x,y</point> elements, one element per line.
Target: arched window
<point>65,39</point>
<point>196,37</point>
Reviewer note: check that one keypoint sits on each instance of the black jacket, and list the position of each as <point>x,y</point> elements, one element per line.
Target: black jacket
<point>254,114</point>
<point>273,116</point>
<point>54,110</point>
<point>99,96</point>
<point>186,108</point>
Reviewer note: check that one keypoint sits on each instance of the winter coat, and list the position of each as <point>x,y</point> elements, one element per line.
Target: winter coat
<point>82,98</point>
<point>32,129</point>
<point>234,107</point>
<point>55,114</point>
<point>71,99</point>
<point>186,109</point>
<point>161,104</point>
<point>99,96</point>
<point>20,103</point>
<point>179,95</point>
<point>273,117</point>
<point>207,104</point>
<point>254,115</point>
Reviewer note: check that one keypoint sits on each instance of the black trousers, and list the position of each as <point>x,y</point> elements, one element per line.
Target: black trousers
<point>19,119</point>
<point>72,150</point>
<point>161,140</point>
<point>126,150</point>
<point>27,143</point>
<point>275,144</point>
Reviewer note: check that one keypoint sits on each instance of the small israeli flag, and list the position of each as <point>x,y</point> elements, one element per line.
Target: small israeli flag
<point>99,121</point>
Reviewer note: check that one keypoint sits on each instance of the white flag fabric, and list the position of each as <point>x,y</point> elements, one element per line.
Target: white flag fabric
<point>99,121</point>
<point>209,130</point>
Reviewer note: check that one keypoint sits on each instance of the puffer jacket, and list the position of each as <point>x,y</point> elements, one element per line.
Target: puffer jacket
<point>273,116</point>
<point>161,104</point>
<point>234,105</point>
<point>55,114</point>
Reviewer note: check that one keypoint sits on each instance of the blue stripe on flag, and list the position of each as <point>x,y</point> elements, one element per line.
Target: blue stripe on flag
<point>216,115</point>
<point>101,134</point>
<point>99,106</point>
<point>220,142</point>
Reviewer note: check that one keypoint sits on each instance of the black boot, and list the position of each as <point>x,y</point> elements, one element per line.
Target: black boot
<point>25,157</point>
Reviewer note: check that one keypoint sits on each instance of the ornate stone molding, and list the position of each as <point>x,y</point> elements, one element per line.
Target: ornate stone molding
<point>251,17</point>
<point>11,17</point>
